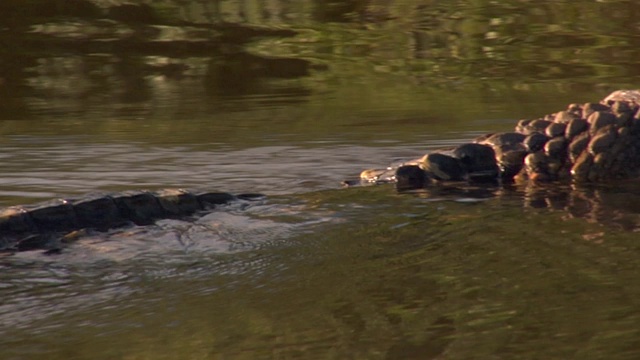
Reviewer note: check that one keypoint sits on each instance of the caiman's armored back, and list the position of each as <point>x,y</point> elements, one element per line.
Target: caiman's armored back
<point>588,142</point>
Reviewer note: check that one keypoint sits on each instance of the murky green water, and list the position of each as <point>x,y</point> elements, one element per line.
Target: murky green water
<point>288,99</point>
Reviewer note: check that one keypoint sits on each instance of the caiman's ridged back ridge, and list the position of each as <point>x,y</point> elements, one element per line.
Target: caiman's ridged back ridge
<point>589,142</point>
<point>32,227</point>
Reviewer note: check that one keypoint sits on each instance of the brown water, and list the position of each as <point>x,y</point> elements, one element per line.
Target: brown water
<point>288,99</point>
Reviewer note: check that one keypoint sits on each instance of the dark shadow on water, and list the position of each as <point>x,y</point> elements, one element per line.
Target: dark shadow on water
<point>244,74</point>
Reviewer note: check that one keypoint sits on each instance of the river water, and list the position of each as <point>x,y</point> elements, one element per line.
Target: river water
<point>288,99</point>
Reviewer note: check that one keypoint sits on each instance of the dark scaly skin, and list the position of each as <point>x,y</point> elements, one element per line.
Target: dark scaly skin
<point>38,226</point>
<point>584,143</point>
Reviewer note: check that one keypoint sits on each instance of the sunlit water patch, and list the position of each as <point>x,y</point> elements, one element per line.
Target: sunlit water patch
<point>37,168</point>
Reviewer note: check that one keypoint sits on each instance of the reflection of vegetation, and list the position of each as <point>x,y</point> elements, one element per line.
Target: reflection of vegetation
<point>399,60</point>
<point>14,12</point>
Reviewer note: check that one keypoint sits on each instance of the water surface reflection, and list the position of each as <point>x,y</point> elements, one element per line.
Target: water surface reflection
<point>418,275</point>
<point>38,168</point>
<point>289,98</point>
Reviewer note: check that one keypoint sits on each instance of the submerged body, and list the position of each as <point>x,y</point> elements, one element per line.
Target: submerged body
<point>40,226</point>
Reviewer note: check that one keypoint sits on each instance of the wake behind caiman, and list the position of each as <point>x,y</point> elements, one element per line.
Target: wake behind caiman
<point>585,143</point>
